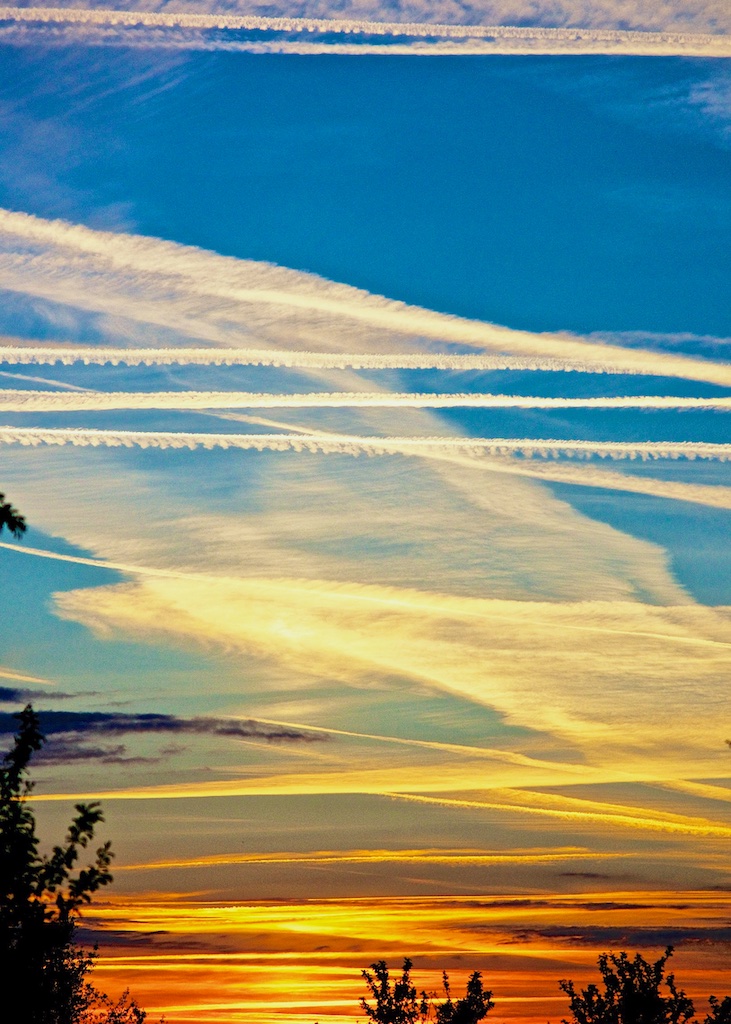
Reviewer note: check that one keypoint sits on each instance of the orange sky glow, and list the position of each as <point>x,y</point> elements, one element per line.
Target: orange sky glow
<point>370,416</point>
<point>288,962</point>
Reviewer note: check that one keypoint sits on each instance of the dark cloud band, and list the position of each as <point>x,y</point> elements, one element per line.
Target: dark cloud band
<point>67,730</point>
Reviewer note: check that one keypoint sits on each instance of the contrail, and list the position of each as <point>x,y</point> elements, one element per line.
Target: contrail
<point>100,563</point>
<point>604,814</point>
<point>348,444</point>
<point>318,35</point>
<point>101,355</point>
<point>567,809</point>
<point>43,380</point>
<point>452,607</point>
<point>490,753</point>
<point>710,495</point>
<point>19,400</point>
<point>223,300</point>
<point>22,677</point>
<point>584,475</point>
<point>430,856</point>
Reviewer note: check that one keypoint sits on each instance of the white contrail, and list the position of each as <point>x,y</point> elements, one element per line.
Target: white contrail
<point>552,471</point>
<point>43,380</point>
<point>22,677</point>
<point>710,495</point>
<point>99,563</point>
<point>318,35</point>
<point>22,355</point>
<point>348,444</point>
<point>19,400</point>
<point>225,300</point>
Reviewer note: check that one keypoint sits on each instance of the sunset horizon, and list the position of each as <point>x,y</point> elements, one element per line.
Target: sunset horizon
<point>365,388</point>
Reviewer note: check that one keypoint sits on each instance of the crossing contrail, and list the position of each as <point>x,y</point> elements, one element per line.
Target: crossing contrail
<point>347,444</point>
<point>551,471</point>
<point>19,400</point>
<point>227,301</point>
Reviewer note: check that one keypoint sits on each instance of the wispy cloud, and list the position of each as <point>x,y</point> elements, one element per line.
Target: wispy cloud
<point>662,15</point>
<point>573,809</point>
<point>437,589</point>
<point>511,539</point>
<point>274,948</point>
<point>67,733</point>
<point>101,723</point>
<point>579,811</point>
<point>241,303</point>
<point>477,652</point>
<point>550,470</point>
<point>375,856</point>
<point>60,750</point>
<point>589,475</point>
<point>515,538</point>
<point>581,475</point>
<point>15,695</point>
<point>42,380</point>
<point>23,677</point>
<point>643,660</point>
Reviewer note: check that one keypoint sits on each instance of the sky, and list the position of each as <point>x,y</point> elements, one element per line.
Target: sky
<point>365,383</point>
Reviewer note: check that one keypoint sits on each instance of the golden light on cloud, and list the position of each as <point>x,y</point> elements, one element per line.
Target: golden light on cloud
<point>307,955</point>
<point>431,788</point>
<point>640,656</point>
<point>23,677</point>
<point>586,811</point>
<point>434,856</point>
<point>439,670</point>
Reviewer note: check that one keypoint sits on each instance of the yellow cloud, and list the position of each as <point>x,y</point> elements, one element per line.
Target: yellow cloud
<point>376,856</point>
<point>612,674</point>
<point>23,677</point>
<point>295,955</point>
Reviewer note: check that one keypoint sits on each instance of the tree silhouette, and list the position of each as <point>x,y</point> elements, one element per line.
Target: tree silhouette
<point>633,994</point>
<point>11,518</point>
<point>471,1008</point>
<point>720,1011</point>
<point>399,1003</point>
<point>43,971</point>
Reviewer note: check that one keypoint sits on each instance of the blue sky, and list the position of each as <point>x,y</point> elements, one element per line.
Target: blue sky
<point>473,647</point>
<point>581,193</point>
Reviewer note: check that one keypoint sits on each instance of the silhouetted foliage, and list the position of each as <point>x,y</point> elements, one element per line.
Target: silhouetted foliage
<point>720,1012</point>
<point>399,1003</point>
<point>43,972</point>
<point>632,994</point>
<point>124,1011</point>
<point>11,518</point>
<point>471,1008</point>
<point>631,991</point>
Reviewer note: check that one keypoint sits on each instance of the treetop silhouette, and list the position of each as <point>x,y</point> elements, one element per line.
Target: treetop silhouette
<point>11,519</point>
<point>636,991</point>
<point>399,1003</point>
